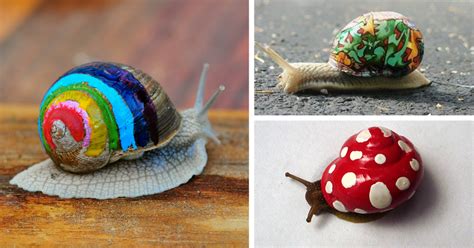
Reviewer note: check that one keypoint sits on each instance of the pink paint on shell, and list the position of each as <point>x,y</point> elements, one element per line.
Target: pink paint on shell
<point>74,106</point>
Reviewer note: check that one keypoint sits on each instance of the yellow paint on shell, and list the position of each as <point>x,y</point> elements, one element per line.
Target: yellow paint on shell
<point>343,58</point>
<point>414,36</point>
<point>369,26</point>
<point>99,139</point>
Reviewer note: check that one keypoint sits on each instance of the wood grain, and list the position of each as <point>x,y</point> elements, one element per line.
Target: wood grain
<point>212,209</point>
<point>170,40</point>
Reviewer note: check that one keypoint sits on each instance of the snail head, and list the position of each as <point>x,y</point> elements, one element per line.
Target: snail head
<point>314,196</point>
<point>290,77</point>
<point>195,122</point>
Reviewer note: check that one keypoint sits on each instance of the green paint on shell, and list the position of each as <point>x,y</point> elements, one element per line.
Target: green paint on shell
<point>101,101</point>
<point>375,44</point>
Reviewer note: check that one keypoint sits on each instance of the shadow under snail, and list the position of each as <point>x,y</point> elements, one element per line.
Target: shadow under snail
<point>111,131</point>
<point>376,51</point>
<point>376,171</point>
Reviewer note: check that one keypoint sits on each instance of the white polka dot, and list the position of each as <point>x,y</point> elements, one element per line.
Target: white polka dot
<point>339,206</point>
<point>360,211</point>
<point>404,146</point>
<point>332,168</point>
<point>386,132</point>
<point>379,195</point>
<point>414,164</point>
<point>402,183</point>
<point>356,155</point>
<point>348,180</point>
<point>363,136</point>
<point>328,187</point>
<point>344,152</point>
<point>380,158</point>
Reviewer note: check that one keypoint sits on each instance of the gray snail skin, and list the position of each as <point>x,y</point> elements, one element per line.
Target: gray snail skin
<point>376,51</point>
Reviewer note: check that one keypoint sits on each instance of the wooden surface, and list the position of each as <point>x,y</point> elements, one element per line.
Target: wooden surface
<point>211,209</point>
<point>170,40</point>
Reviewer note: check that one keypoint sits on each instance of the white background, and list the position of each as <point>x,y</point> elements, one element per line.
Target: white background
<point>440,213</point>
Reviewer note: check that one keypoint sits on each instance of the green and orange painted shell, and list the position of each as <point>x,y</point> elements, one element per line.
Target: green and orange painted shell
<point>378,44</point>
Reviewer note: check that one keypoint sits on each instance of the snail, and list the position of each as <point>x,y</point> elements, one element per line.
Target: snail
<point>376,171</point>
<point>376,51</point>
<point>111,131</point>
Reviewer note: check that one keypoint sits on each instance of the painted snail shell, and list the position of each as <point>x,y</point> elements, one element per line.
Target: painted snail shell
<point>376,51</point>
<point>376,171</point>
<point>100,112</point>
<point>378,44</point>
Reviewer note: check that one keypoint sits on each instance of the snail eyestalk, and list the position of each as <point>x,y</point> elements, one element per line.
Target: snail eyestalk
<point>201,86</point>
<point>202,116</point>
<point>313,195</point>
<point>203,111</point>
<point>200,110</point>
<point>299,179</point>
<point>198,104</point>
<point>291,77</point>
<point>276,57</point>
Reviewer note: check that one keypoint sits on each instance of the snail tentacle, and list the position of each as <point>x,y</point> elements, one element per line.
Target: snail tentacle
<point>201,110</point>
<point>201,86</point>
<point>314,196</point>
<point>277,58</point>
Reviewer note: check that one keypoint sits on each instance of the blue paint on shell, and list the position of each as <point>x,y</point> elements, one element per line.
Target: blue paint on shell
<point>122,113</point>
<point>134,94</point>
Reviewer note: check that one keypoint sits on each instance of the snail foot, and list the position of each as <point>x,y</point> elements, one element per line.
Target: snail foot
<point>355,217</point>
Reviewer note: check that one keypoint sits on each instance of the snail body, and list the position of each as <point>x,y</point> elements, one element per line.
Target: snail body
<point>111,131</point>
<point>376,51</point>
<point>376,171</point>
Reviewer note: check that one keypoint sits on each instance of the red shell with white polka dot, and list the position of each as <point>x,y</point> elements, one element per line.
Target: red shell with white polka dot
<point>376,171</point>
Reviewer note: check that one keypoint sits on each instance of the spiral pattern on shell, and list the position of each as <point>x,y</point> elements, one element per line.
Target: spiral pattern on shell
<point>378,44</point>
<point>99,112</point>
<point>376,171</point>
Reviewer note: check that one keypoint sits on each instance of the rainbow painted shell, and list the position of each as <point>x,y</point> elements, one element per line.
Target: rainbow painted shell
<point>378,44</point>
<point>100,112</point>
